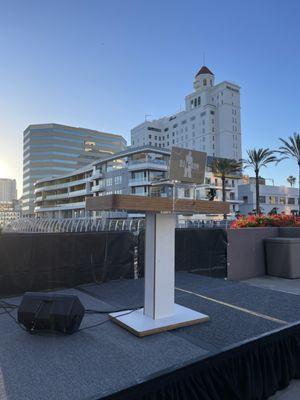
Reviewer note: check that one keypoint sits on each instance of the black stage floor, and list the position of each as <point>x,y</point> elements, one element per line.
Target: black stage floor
<point>102,361</point>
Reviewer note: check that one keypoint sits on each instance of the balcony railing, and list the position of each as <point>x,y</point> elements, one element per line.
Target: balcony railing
<point>76,193</point>
<point>148,164</point>
<point>97,174</point>
<point>62,185</point>
<point>139,182</point>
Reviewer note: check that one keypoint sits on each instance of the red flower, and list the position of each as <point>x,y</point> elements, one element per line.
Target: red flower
<point>265,220</point>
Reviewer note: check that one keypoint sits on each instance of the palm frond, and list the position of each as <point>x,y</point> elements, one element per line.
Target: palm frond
<point>260,158</point>
<point>290,148</point>
<point>225,167</point>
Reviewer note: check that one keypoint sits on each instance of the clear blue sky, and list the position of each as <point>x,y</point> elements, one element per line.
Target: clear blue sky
<point>105,64</point>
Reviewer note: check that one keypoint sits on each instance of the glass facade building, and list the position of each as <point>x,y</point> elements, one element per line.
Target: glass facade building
<point>55,150</point>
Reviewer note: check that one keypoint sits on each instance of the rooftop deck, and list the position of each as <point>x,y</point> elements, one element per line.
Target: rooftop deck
<point>97,362</point>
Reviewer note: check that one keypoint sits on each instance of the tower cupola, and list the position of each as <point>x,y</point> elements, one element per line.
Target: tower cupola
<point>204,78</point>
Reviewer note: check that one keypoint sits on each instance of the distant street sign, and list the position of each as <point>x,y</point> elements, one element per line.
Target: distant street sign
<point>187,165</point>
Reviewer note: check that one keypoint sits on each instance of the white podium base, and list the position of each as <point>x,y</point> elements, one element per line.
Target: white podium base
<point>141,325</point>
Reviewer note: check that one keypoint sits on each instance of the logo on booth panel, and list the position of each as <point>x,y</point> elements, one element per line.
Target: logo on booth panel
<point>187,165</point>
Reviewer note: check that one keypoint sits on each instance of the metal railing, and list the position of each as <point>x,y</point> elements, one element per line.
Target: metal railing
<point>198,224</point>
<point>64,225</point>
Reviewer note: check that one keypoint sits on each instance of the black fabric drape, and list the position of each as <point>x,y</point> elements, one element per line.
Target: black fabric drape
<point>32,262</point>
<point>252,371</point>
<point>202,251</point>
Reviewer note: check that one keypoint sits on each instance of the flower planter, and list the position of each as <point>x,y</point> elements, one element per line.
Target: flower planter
<point>245,253</point>
<point>283,256</point>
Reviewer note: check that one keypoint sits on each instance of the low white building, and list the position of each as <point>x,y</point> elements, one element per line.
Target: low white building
<point>9,211</point>
<point>211,121</point>
<point>284,198</point>
<point>140,171</point>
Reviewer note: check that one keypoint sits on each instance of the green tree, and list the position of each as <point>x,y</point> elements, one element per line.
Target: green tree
<point>291,180</point>
<point>256,160</point>
<point>290,148</point>
<point>225,168</point>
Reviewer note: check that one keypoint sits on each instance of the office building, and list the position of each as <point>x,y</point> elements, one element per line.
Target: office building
<point>211,121</point>
<point>54,150</point>
<point>8,190</point>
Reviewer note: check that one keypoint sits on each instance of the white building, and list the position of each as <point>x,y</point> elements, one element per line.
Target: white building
<point>9,212</point>
<point>284,198</point>
<point>211,121</point>
<point>142,171</point>
<point>8,190</point>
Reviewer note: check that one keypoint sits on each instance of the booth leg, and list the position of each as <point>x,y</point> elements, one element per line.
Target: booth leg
<point>159,265</point>
<point>160,313</point>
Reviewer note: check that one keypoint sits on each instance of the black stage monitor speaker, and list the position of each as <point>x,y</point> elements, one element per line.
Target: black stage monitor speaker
<point>50,312</point>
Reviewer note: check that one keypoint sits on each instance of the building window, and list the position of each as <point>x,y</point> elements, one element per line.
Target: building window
<point>272,199</point>
<point>282,200</point>
<point>245,199</point>
<point>291,200</point>
<point>108,181</point>
<point>186,192</point>
<point>118,179</point>
<point>204,82</point>
<point>199,101</point>
<point>262,199</point>
<point>151,128</point>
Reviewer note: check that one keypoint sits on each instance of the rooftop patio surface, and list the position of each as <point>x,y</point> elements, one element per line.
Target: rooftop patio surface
<point>104,359</point>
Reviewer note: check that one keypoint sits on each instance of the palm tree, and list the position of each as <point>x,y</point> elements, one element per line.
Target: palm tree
<point>225,167</point>
<point>291,180</point>
<point>256,160</point>
<point>291,149</point>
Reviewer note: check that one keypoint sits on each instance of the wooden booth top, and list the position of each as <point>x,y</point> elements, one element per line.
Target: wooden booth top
<point>154,204</point>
